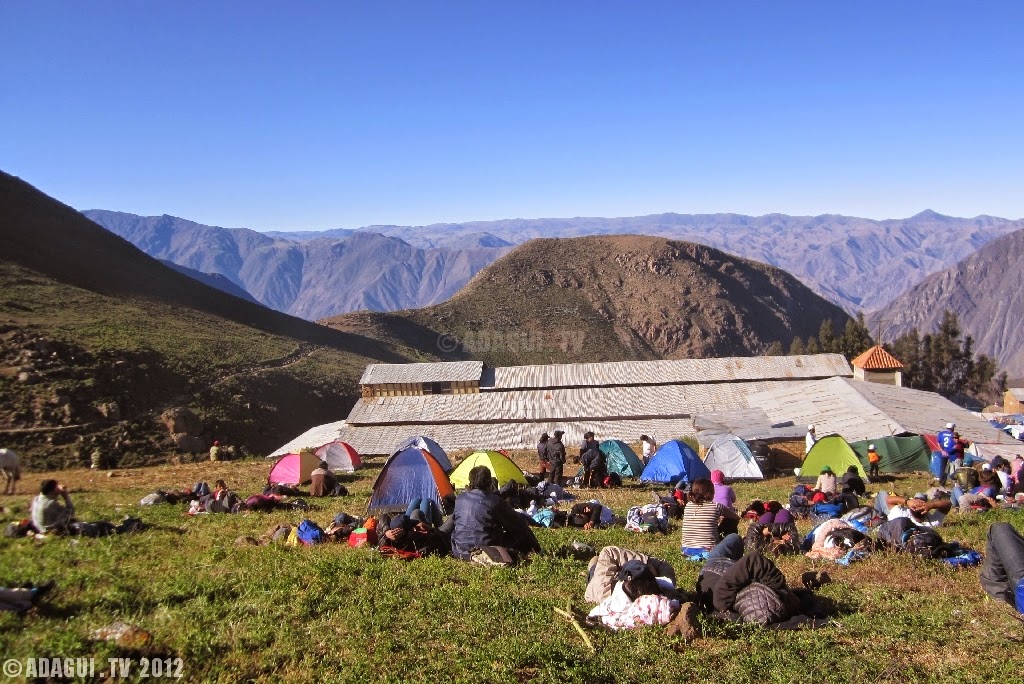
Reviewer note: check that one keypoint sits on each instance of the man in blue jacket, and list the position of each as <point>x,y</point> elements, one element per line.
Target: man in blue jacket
<point>482,518</point>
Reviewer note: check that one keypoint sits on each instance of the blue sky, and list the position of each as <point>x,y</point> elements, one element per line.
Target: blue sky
<point>322,115</point>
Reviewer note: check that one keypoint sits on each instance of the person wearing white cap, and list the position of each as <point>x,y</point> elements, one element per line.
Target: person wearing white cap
<point>873,461</point>
<point>940,459</point>
<point>810,439</point>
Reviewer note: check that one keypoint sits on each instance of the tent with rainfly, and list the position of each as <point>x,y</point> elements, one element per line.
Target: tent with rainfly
<point>674,461</point>
<point>500,465</point>
<point>339,456</point>
<point>621,459</point>
<point>408,475</point>
<point>834,452</point>
<point>732,456</point>
<point>428,445</point>
<point>293,469</point>
<point>896,454</point>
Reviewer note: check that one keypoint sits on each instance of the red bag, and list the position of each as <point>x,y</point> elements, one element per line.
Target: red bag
<point>359,537</point>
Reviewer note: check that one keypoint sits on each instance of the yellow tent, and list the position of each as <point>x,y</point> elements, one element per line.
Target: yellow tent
<point>500,466</point>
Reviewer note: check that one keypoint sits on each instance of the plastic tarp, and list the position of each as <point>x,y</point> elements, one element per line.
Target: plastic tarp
<point>732,456</point>
<point>834,452</point>
<point>339,456</point>
<point>428,445</point>
<point>674,461</point>
<point>621,459</point>
<point>898,454</point>
<point>408,475</point>
<point>500,465</point>
<point>293,469</point>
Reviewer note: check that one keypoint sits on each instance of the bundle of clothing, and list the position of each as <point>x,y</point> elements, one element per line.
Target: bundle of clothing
<point>631,589</point>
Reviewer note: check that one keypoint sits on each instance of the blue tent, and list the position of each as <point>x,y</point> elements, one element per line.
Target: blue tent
<point>410,474</point>
<point>674,461</point>
<point>429,445</point>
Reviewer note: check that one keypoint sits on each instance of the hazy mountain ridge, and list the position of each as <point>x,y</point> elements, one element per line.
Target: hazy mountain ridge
<point>986,292</point>
<point>857,263</point>
<point>313,278</point>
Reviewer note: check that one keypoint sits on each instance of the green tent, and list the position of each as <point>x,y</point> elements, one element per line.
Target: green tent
<point>899,454</point>
<point>831,451</point>
<point>499,464</point>
<point>620,458</point>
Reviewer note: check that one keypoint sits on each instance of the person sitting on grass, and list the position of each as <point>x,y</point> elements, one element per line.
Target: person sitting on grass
<point>482,518</point>
<point>826,483</point>
<point>1002,573</point>
<point>222,500</point>
<point>852,482</point>
<point>50,516</point>
<point>324,483</point>
<point>702,520</point>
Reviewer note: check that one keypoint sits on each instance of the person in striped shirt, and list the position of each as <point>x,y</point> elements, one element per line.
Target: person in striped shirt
<point>701,519</point>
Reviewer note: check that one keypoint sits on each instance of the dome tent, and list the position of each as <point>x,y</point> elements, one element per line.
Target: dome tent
<point>428,445</point>
<point>831,451</point>
<point>501,467</point>
<point>293,469</point>
<point>732,456</point>
<point>674,461</point>
<point>339,456</point>
<point>408,475</point>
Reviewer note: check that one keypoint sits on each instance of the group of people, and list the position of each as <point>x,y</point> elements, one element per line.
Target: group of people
<point>552,456</point>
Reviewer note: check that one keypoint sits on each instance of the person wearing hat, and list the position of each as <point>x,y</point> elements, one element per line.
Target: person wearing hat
<point>873,461</point>
<point>556,457</point>
<point>811,438</point>
<point>947,444</point>
<point>826,483</point>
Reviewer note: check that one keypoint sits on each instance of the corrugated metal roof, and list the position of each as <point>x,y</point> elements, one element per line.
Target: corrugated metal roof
<point>1017,393</point>
<point>382,439</point>
<point>877,358</point>
<point>747,424</point>
<point>923,412</point>
<point>441,371</point>
<point>867,410</point>
<point>312,438</point>
<point>679,371</point>
<point>591,403</point>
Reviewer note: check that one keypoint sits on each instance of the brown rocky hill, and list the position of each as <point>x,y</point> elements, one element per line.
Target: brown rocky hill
<point>103,347</point>
<point>609,298</point>
<point>985,291</point>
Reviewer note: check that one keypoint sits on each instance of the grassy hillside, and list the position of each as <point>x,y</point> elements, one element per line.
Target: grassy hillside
<point>610,298</point>
<point>97,340</point>
<point>335,614</point>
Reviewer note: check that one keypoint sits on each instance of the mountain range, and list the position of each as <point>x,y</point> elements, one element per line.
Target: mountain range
<point>985,290</point>
<point>859,264</point>
<point>608,298</point>
<point>313,278</point>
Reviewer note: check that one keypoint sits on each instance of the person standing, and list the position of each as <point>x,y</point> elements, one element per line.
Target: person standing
<point>215,451</point>
<point>649,448</point>
<point>947,445</point>
<point>542,455</point>
<point>873,461</point>
<point>593,461</point>
<point>810,439</point>
<point>556,457</point>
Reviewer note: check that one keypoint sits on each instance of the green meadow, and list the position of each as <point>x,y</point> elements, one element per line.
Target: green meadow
<point>336,614</point>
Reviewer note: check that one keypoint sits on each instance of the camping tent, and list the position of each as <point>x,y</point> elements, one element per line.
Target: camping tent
<point>732,456</point>
<point>408,475</point>
<point>898,454</point>
<point>293,469</point>
<point>428,445</point>
<point>339,456</point>
<point>500,466</point>
<point>621,459</point>
<point>674,461</point>
<point>831,451</point>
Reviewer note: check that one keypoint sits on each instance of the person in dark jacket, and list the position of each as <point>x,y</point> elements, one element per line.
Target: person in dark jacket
<point>594,466</point>
<point>852,482</point>
<point>482,518</point>
<point>586,515</point>
<point>542,455</point>
<point>322,482</point>
<point>556,457</point>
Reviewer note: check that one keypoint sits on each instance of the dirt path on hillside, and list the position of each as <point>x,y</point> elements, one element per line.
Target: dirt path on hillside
<point>304,351</point>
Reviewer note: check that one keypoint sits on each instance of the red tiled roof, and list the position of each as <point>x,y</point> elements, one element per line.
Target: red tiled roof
<point>877,358</point>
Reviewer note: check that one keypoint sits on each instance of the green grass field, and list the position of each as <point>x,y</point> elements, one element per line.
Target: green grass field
<point>332,613</point>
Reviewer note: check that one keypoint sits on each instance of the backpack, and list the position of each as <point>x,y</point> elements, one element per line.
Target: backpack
<point>309,533</point>
<point>493,556</point>
<point>924,542</point>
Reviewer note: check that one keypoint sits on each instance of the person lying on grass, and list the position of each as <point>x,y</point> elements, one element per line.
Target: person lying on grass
<point>586,515</point>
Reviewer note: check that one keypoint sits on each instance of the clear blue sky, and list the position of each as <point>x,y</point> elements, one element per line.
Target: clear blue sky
<point>308,115</point>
